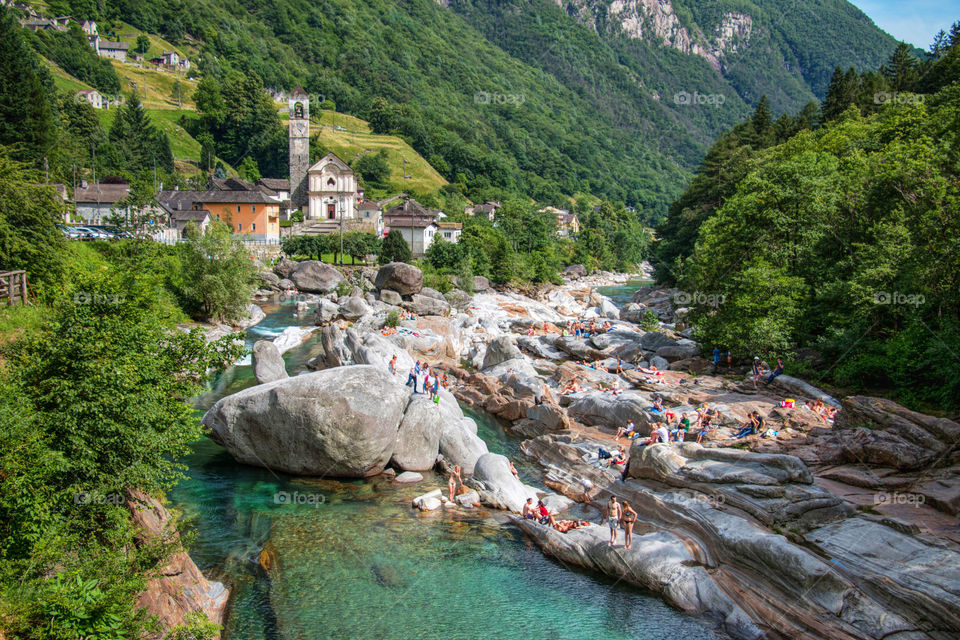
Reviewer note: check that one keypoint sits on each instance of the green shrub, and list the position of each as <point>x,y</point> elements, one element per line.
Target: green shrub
<point>393,319</point>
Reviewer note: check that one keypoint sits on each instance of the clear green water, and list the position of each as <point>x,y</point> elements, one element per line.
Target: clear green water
<point>360,563</point>
<point>623,294</point>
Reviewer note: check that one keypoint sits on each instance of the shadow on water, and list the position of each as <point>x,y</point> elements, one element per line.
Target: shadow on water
<point>312,558</point>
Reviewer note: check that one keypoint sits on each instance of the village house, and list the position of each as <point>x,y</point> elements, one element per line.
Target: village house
<point>568,224</point>
<point>97,203</point>
<point>419,225</point>
<point>251,214</point>
<point>93,97</point>
<point>114,50</point>
<point>369,212</point>
<point>488,209</point>
<point>44,24</point>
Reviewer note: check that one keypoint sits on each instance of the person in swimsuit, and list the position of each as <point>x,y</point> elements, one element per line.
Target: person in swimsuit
<point>629,517</point>
<point>513,470</point>
<point>451,486</point>
<point>529,511</point>
<point>393,365</point>
<point>614,512</point>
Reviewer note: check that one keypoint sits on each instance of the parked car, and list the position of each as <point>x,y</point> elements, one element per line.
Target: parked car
<point>117,233</point>
<point>91,233</point>
<point>69,232</point>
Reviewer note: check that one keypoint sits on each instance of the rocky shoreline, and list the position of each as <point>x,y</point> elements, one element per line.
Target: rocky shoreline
<point>844,530</point>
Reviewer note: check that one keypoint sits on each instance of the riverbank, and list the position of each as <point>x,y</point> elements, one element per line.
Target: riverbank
<point>754,532</point>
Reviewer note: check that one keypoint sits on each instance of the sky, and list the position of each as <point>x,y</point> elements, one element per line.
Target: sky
<point>913,21</point>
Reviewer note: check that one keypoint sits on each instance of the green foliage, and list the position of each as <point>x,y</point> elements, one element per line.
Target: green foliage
<point>373,168</point>
<point>71,52</point>
<point>137,145</point>
<point>143,44</point>
<point>395,248</point>
<point>650,321</point>
<point>249,170</point>
<point>841,239</point>
<point>393,318</point>
<point>29,239</point>
<point>26,119</point>
<point>217,273</point>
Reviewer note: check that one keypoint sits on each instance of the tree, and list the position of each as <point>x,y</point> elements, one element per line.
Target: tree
<point>142,45</point>
<point>26,120</point>
<point>29,239</point>
<point>249,170</point>
<point>901,69</point>
<point>443,255</point>
<point>217,273</point>
<point>373,167</point>
<point>395,248</point>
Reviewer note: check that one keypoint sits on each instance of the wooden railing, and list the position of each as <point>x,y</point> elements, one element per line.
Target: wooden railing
<point>13,288</point>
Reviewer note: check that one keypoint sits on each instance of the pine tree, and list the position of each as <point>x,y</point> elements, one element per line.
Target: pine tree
<point>901,69</point>
<point>395,248</point>
<point>26,118</point>
<point>762,122</point>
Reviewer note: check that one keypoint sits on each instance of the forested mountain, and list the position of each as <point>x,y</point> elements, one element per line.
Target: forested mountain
<point>529,97</point>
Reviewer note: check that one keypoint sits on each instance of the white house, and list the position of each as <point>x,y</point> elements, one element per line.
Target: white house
<point>114,50</point>
<point>420,225</point>
<point>332,190</point>
<point>97,202</point>
<point>450,231</point>
<point>94,98</point>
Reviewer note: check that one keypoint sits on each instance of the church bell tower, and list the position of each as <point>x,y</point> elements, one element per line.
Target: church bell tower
<point>299,105</point>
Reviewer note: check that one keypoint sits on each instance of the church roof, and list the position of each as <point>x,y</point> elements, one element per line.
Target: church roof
<point>411,207</point>
<point>325,160</point>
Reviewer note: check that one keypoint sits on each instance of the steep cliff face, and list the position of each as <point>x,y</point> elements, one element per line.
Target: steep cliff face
<point>657,21</point>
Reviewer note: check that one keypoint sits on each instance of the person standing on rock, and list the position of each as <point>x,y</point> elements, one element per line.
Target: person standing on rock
<point>716,356</point>
<point>393,365</point>
<point>412,378</point>
<point>614,511</point>
<point>629,517</point>
<point>756,370</point>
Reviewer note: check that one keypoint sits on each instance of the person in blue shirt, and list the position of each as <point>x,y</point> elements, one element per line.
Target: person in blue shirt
<point>716,356</point>
<point>776,370</point>
<point>412,378</point>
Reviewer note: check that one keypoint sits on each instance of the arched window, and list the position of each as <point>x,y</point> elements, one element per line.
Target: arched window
<point>331,182</point>
<point>298,110</point>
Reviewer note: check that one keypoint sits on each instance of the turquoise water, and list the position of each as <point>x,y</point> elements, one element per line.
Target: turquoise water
<point>623,294</point>
<point>353,560</point>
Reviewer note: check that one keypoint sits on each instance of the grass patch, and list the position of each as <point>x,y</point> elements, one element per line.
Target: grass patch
<point>16,321</point>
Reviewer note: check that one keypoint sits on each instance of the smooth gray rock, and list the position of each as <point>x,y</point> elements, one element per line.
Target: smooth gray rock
<point>497,486</point>
<point>269,278</point>
<point>519,366</point>
<point>354,308</point>
<point>418,438</point>
<point>285,268</point>
<point>653,340</point>
<point>254,316</point>
<point>609,310</point>
<point>426,306</point>
<point>267,362</point>
<point>390,296</point>
<point>500,350</point>
<point>480,284</point>
<point>460,446</point>
<point>408,477</point>
<point>286,284</point>
<point>457,299</point>
<point>432,293</point>
<point>541,348</point>
<point>335,350</point>
<point>673,353</point>
<point>403,278</point>
<point>327,311</point>
<point>575,272</point>
<point>339,422</point>
<point>612,411</point>
<point>316,277</point>
<point>660,363</point>
<point>468,499</point>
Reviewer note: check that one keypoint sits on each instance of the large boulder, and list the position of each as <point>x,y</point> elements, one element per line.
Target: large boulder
<point>609,310</point>
<point>285,268</point>
<point>460,446</point>
<point>480,284</point>
<point>354,308</point>
<point>497,486</point>
<point>673,353</point>
<point>339,422</point>
<point>661,363</point>
<point>653,340</point>
<point>427,306</point>
<point>500,350</point>
<point>389,296</point>
<point>418,439</point>
<point>403,278</point>
<point>612,411</point>
<point>575,271</point>
<point>267,362</point>
<point>327,311</point>
<point>255,315</point>
<point>270,279</point>
<point>316,277</point>
<point>432,293</point>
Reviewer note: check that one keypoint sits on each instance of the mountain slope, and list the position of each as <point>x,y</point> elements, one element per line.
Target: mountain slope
<point>520,96</point>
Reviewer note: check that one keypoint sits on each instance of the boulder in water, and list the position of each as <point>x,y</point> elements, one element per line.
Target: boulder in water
<point>497,486</point>
<point>338,422</point>
<point>316,277</point>
<point>267,362</point>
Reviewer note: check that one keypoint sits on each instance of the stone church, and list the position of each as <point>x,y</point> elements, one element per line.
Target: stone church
<point>326,190</point>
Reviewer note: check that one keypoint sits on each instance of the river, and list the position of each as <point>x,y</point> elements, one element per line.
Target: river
<point>353,560</point>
